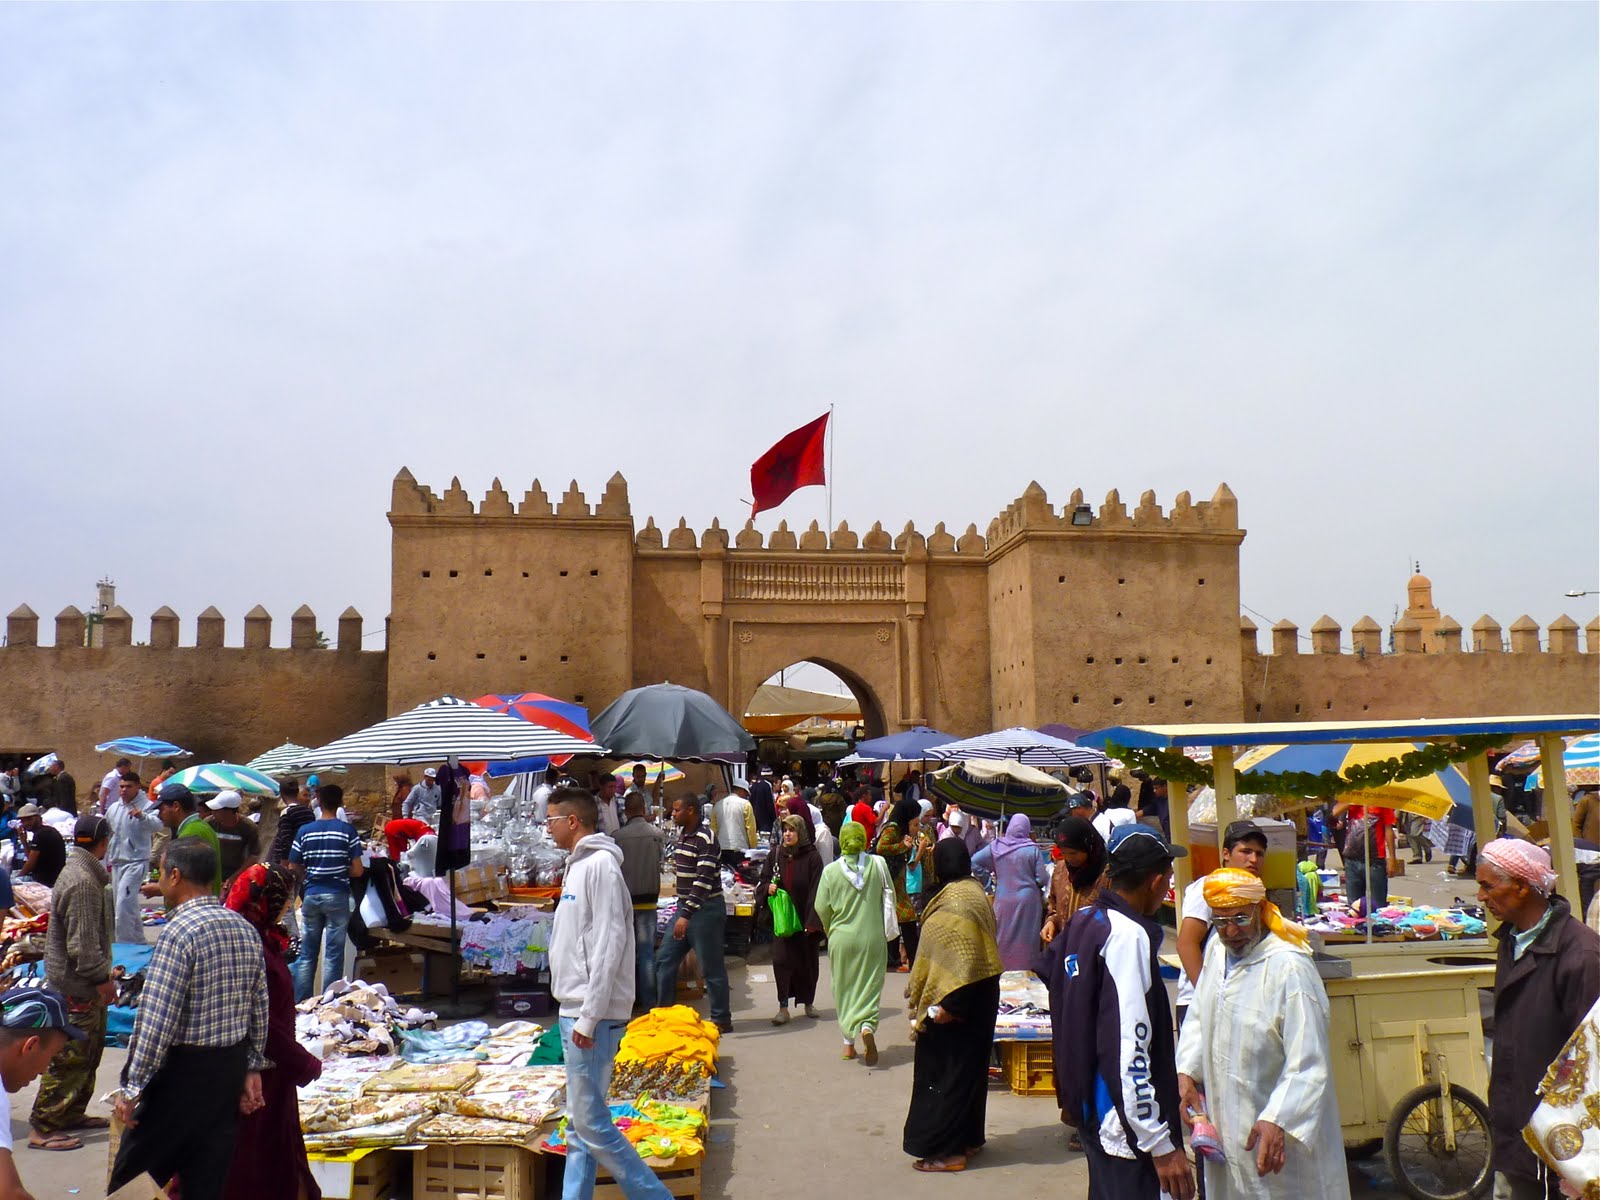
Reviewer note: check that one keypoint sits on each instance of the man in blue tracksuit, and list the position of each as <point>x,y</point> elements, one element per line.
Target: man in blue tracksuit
<point>1120,1087</point>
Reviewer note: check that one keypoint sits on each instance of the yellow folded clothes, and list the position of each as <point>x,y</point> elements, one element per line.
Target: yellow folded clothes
<point>675,1034</point>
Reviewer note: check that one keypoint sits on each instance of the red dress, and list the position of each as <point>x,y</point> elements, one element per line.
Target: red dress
<point>269,1157</point>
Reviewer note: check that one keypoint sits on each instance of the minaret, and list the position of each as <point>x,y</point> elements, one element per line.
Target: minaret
<point>1419,605</point>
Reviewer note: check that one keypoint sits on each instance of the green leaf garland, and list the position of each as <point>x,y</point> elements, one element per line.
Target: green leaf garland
<point>1177,767</point>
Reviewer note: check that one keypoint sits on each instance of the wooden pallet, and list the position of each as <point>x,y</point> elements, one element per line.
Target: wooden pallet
<point>677,1178</point>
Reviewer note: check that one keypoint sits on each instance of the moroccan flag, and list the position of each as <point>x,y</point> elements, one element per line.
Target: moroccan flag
<point>795,462</point>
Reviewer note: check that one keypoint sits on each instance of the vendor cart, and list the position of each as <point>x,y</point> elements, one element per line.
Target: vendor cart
<point>1405,1035</point>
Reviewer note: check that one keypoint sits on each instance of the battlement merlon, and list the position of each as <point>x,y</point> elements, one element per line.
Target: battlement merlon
<point>1408,637</point>
<point>72,630</point>
<point>1031,514</point>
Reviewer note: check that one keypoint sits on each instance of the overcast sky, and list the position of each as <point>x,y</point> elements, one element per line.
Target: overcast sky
<point>253,259</point>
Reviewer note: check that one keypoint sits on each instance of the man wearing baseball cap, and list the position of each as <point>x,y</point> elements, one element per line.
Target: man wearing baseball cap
<point>1116,1076</point>
<point>175,805</point>
<point>238,842</point>
<point>1244,848</point>
<point>77,961</point>
<point>34,1026</point>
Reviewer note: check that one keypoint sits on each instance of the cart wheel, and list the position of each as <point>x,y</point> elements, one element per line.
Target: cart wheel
<point>1414,1148</point>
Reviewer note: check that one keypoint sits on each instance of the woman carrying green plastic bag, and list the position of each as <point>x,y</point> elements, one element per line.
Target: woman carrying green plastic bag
<point>796,932</point>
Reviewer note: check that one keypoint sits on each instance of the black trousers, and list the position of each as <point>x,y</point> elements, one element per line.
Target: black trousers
<point>187,1119</point>
<point>1113,1178</point>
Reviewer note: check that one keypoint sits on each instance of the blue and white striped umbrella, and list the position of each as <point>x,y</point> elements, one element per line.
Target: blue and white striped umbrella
<point>442,729</point>
<point>1027,746</point>
<point>280,759</point>
<point>143,747</point>
<point>208,778</point>
<point>1581,760</point>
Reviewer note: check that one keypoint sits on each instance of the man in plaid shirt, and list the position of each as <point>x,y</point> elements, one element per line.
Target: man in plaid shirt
<point>199,1037</point>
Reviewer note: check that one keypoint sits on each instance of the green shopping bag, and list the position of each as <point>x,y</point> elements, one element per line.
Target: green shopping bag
<point>785,921</point>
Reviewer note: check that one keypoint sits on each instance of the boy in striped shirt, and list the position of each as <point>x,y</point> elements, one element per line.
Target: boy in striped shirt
<point>327,855</point>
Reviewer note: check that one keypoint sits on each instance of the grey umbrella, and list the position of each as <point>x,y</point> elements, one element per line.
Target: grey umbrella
<point>667,721</point>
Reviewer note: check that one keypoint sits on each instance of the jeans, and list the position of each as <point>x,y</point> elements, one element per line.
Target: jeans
<point>325,918</point>
<point>591,1135</point>
<point>644,957</point>
<point>1358,885</point>
<point>707,931</point>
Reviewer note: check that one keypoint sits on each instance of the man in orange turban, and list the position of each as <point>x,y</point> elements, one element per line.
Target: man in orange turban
<point>1253,1053</point>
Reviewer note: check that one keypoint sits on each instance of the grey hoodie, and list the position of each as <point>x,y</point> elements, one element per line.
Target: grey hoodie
<point>591,944</point>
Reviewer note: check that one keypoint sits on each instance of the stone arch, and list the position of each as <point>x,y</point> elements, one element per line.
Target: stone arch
<point>864,656</point>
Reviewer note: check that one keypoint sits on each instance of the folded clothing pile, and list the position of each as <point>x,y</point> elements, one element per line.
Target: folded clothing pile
<point>657,1130</point>
<point>511,1044</point>
<point>355,1018</point>
<point>675,1034</point>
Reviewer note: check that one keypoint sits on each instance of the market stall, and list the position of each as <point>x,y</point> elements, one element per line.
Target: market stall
<point>1406,1037</point>
<point>475,1111</point>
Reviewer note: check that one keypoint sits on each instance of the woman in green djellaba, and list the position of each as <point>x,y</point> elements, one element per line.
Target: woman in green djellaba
<point>850,903</point>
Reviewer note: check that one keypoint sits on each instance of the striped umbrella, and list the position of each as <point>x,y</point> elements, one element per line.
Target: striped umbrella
<point>999,788</point>
<point>280,759</point>
<point>1525,755</point>
<point>1582,762</point>
<point>1433,796</point>
<point>143,747</point>
<point>663,772</point>
<point>225,777</point>
<point>447,728</point>
<point>1027,746</point>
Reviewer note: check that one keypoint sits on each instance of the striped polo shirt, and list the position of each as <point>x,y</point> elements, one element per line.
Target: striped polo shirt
<point>326,847</point>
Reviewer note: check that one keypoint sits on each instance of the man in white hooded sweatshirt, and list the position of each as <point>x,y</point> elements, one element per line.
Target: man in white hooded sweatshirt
<point>592,978</point>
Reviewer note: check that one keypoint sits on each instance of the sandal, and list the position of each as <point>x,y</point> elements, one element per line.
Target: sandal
<point>55,1141</point>
<point>869,1043</point>
<point>936,1165</point>
<point>849,1053</point>
<point>1075,1143</point>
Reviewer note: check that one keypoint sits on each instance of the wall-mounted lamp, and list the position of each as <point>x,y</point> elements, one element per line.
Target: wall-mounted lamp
<point>1083,515</point>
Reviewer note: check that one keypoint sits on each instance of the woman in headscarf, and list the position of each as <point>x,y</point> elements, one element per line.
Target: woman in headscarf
<point>954,999</point>
<point>850,900</point>
<point>920,884</point>
<point>794,959</point>
<point>896,841</point>
<point>269,1154</point>
<point>1078,876</point>
<point>1020,880</point>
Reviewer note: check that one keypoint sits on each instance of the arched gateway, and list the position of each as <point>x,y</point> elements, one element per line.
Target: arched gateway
<point>1084,617</point>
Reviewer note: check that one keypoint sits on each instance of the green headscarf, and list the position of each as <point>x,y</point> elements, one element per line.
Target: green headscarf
<point>853,838</point>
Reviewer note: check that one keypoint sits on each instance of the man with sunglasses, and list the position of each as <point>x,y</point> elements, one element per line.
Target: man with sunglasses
<point>1244,848</point>
<point>1253,1056</point>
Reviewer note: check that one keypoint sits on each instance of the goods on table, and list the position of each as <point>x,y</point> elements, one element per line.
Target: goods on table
<point>511,1044</point>
<point>1418,923</point>
<point>452,1128</point>
<point>355,1018</point>
<point>504,945</point>
<point>423,1077</point>
<point>661,1078</point>
<point>329,1113</point>
<point>1024,1008</point>
<point>675,1034</point>
<point>657,1130</point>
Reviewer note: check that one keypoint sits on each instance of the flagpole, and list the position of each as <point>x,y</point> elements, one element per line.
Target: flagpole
<point>830,471</point>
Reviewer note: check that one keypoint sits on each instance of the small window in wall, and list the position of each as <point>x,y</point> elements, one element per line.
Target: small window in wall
<point>1188,703</point>
<point>1090,660</point>
<point>1201,582</point>
<point>563,574</point>
<point>1297,708</point>
<point>578,699</point>
<point>427,574</point>
<point>488,571</point>
<point>1208,662</point>
<point>1061,578</point>
<point>563,658</point>
<point>592,574</point>
<point>1116,662</point>
<point>1075,699</point>
<point>1329,706</point>
<point>1174,660</point>
<point>524,574</point>
<point>480,654</point>
<point>522,658</point>
<point>432,656</point>
<point>1116,700</point>
<point>1143,659</point>
<point>1258,710</point>
<point>1122,581</point>
<point>453,574</point>
<point>1119,614</point>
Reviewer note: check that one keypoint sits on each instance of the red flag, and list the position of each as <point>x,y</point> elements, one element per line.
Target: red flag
<point>795,462</point>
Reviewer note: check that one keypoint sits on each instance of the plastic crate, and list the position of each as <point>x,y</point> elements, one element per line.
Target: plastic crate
<point>475,1173</point>
<point>1030,1068</point>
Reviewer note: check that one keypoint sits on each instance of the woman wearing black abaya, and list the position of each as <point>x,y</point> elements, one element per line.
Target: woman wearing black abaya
<point>955,999</point>
<point>794,958</point>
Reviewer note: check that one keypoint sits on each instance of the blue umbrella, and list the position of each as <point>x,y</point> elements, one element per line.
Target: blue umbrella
<point>910,746</point>
<point>143,747</point>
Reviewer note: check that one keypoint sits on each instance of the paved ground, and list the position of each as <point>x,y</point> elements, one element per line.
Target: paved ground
<point>793,1119</point>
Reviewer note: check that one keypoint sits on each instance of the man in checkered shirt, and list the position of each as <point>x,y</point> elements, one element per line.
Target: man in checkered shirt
<point>199,1036</point>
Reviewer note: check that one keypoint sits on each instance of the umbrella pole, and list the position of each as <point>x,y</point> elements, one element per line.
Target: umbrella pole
<point>1366,846</point>
<point>455,945</point>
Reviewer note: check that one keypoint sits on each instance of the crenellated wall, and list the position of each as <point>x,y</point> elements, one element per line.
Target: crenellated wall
<point>1420,669</point>
<point>1087,616</point>
<point>223,702</point>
